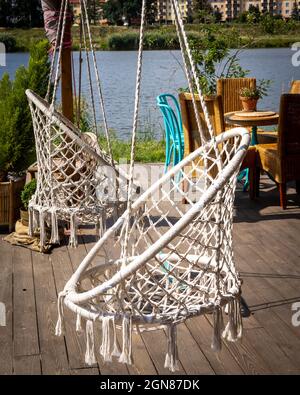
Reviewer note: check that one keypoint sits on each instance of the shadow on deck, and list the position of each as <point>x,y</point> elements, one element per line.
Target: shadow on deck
<point>267,253</point>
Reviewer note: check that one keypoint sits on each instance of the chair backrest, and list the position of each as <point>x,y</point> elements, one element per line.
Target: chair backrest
<point>190,129</point>
<point>229,89</point>
<point>295,86</point>
<point>289,135</point>
<point>172,117</point>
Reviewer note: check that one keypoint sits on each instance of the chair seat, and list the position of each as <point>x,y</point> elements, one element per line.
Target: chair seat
<point>265,137</point>
<point>269,160</point>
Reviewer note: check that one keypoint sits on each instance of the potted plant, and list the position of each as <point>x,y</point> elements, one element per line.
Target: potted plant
<point>250,96</point>
<point>26,195</point>
<point>17,148</point>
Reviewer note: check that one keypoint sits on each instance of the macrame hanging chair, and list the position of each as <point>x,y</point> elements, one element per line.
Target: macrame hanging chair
<point>74,173</point>
<point>163,262</point>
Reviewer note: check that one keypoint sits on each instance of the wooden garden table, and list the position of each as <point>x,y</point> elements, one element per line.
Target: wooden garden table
<point>253,120</point>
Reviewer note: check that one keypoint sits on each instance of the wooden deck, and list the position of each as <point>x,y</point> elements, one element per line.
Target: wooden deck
<point>267,242</point>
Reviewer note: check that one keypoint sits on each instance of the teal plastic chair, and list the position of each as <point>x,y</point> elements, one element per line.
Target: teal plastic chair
<point>173,128</point>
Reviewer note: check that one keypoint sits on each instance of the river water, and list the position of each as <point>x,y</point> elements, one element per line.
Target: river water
<point>163,73</point>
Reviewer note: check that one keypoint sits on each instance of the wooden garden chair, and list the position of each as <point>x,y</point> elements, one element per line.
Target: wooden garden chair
<point>216,113</point>
<point>189,124</point>
<point>228,89</point>
<point>282,160</point>
<point>295,86</point>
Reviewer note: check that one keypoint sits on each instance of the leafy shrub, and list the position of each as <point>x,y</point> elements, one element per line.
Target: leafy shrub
<point>9,42</point>
<point>271,25</point>
<point>209,53</point>
<point>27,193</point>
<point>157,40</point>
<point>16,132</point>
<point>127,42</point>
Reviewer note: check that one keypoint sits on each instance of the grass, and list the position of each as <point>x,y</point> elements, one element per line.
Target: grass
<point>147,150</point>
<point>163,37</point>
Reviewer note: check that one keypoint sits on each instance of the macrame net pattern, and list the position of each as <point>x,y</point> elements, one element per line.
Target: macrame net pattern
<point>180,260</point>
<point>74,176</point>
<point>77,181</point>
<point>164,261</point>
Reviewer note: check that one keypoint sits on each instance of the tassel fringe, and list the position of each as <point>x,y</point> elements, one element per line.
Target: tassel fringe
<point>105,349</point>
<point>116,351</point>
<point>30,224</point>
<point>73,242</point>
<point>126,355</point>
<point>218,329</point>
<point>35,220</point>
<point>171,361</point>
<point>78,323</point>
<point>234,327</point>
<point>54,228</point>
<point>101,225</point>
<point>60,325</point>
<point>90,358</point>
<point>42,229</point>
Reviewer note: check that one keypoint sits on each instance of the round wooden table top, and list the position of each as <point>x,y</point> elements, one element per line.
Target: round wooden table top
<point>255,118</point>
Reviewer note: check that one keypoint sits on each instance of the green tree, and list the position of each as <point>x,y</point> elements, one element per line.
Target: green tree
<point>202,11</point>
<point>254,14</point>
<point>268,24</point>
<point>217,14</point>
<point>242,17</point>
<point>5,13</point>
<point>16,132</point>
<point>295,12</point>
<point>119,11</point>
<point>214,58</point>
<point>94,10</point>
<point>21,13</point>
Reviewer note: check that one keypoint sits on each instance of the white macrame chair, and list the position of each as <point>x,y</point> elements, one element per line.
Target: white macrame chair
<point>74,182</point>
<point>163,262</point>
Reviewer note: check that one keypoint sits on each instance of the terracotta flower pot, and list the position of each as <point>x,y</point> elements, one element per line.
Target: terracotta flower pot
<point>10,201</point>
<point>248,104</point>
<point>24,216</point>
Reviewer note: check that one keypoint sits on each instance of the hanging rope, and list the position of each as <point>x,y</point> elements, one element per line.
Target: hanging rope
<point>79,77</point>
<point>135,122</point>
<point>191,74</point>
<point>99,87</point>
<point>89,71</point>
<point>57,38</point>
<point>193,68</point>
<point>56,78</point>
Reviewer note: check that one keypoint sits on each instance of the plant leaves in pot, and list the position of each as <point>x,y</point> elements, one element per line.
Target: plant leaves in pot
<point>26,195</point>
<point>250,96</point>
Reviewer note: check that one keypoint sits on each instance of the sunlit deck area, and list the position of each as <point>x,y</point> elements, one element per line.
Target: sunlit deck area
<point>267,241</point>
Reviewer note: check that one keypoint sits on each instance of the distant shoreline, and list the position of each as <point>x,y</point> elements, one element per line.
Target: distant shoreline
<point>158,38</point>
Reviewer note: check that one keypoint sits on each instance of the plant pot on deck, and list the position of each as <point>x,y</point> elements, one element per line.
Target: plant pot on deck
<point>248,104</point>
<point>10,201</point>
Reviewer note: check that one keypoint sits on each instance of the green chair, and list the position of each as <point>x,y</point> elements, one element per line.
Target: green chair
<point>173,129</point>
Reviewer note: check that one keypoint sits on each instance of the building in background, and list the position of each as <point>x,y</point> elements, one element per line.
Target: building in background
<point>165,13</point>
<point>230,9</point>
<point>98,3</point>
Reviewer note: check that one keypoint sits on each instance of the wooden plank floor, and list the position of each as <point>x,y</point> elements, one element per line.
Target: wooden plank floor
<point>267,252</point>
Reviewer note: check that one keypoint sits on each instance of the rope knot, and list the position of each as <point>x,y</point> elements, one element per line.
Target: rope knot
<point>60,325</point>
